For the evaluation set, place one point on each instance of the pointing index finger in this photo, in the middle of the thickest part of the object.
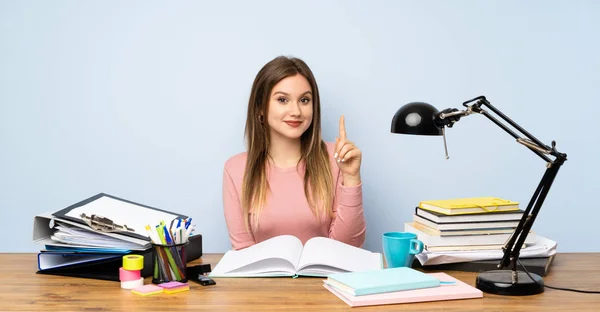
(342, 128)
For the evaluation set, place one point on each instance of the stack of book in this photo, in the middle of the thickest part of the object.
(481, 223)
(396, 285)
(468, 234)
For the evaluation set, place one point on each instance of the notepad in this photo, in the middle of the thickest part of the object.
(147, 290)
(381, 281)
(458, 290)
(174, 287)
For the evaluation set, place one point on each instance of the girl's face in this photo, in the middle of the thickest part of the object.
(290, 109)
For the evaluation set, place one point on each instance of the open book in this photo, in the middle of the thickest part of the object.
(286, 256)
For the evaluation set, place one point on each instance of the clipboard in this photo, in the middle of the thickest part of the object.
(104, 212)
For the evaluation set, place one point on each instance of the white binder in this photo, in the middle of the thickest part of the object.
(117, 211)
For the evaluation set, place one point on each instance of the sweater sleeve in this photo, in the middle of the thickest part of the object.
(240, 238)
(349, 224)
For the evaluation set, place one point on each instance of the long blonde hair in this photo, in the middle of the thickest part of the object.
(318, 180)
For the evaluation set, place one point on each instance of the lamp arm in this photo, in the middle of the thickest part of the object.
(539, 149)
(513, 246)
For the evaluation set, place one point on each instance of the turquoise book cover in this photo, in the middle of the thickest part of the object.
(381, 281)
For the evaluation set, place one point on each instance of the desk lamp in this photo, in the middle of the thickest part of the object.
(423, 119)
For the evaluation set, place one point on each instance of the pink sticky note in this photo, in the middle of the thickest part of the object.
(171, 285)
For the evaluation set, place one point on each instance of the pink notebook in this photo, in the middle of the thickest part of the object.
(459, 290)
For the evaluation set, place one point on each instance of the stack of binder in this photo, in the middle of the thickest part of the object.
(89, 238)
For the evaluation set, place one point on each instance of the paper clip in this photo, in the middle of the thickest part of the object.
(103, 224)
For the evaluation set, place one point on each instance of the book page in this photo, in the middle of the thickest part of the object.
(278, 254)
(79, 237)
(325, 254)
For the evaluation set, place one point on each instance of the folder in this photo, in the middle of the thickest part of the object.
(122, 212)
(44, 226)
(60, 259)
(106, 266)
(118, 212)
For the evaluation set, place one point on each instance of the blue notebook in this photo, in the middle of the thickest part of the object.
(381, 281)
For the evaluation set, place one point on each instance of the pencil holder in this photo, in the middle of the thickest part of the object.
(169, 263)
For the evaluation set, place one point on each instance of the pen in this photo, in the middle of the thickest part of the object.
(187, 223)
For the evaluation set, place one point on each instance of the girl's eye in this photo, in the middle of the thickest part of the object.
(282, 100)
(305, 100)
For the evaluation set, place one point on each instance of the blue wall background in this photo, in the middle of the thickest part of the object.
(146, 100)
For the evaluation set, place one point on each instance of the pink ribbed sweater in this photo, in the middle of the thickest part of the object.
(287, 210)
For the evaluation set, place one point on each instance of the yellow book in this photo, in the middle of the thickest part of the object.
(458, 206)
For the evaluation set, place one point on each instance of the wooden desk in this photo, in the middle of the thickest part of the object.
(23, 290)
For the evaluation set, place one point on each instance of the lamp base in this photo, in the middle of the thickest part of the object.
(499, 282)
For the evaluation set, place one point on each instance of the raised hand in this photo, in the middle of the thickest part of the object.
(348, 157)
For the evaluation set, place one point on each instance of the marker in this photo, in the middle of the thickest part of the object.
(167, 235)
(188, 231)
(161, 234)
(153, 239)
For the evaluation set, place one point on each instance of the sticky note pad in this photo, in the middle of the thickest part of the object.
(176, 290)
(147, 290)
(171, 285)
(174, 287)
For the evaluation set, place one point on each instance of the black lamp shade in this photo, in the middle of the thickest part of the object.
(416, 118)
